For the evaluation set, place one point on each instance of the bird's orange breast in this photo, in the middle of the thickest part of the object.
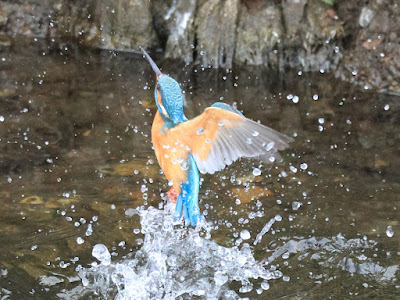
(170, 151)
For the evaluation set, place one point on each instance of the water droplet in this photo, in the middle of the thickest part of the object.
(303, 166)
(249, 141)
(184, 166)
(293, 169)
(286, 278)
(171, 260)
(220, 123)
(80, 240)
(256, 172)
(278, 217)
(101, 252)
(245, 234)
(386, 107)
(321, 120)
(247, 287)
(89, 230)
(315, 97)
(254, 133)
(271, 159)
(200, 131)
(1, 119)
(270, 146)
(295, 99)
(296, 205)
(34, 247)
(265, 285)
(220, 278)
(208, 141)
(389, 231)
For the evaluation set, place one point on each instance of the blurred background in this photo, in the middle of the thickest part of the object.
(357, 40)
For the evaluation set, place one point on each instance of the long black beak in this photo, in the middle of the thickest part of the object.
(151, 61)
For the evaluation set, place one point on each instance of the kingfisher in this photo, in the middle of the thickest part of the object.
(205, 144)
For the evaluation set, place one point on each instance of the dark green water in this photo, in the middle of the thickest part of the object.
(76, 150)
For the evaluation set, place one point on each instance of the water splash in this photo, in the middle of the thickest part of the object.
(338, 252)
(175, 262)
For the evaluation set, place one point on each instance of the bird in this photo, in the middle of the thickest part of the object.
(205, 144)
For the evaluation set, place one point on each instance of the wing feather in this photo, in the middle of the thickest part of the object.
(225, 136)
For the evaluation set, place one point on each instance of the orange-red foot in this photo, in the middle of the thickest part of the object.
(172, 195)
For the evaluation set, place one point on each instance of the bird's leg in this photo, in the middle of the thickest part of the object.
(172, 195)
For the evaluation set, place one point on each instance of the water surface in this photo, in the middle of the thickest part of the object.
(76, 155)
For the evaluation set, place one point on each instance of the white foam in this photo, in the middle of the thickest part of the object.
(176, 261)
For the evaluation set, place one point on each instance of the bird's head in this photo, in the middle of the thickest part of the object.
(168, 95)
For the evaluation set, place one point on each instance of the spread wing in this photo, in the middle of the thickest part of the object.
(221, 135)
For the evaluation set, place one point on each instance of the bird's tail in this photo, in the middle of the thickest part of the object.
(187, 202)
